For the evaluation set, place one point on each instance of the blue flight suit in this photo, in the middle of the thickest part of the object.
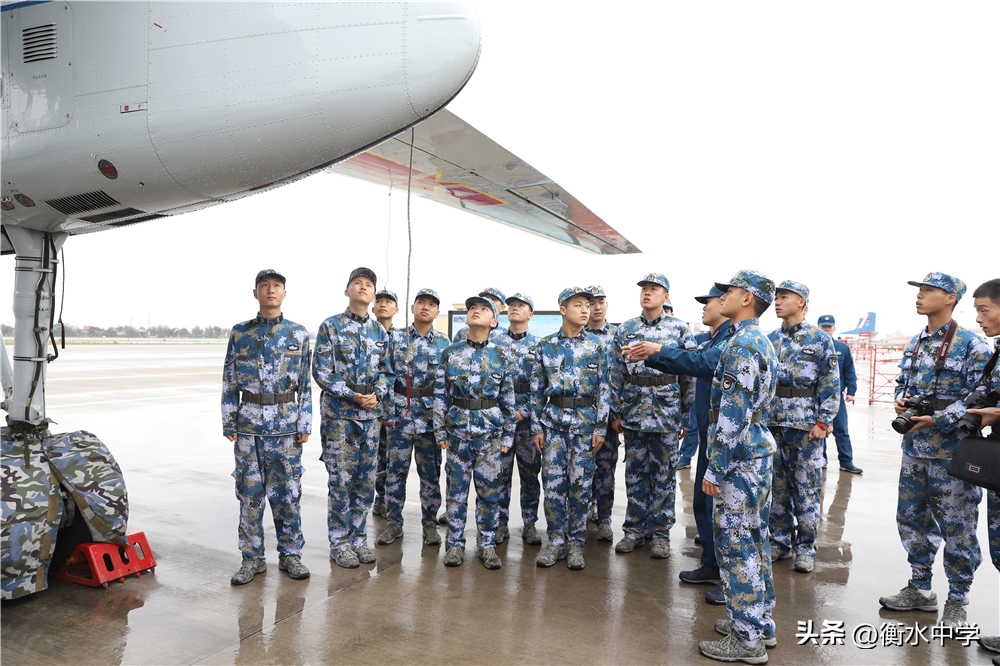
(529, 460)
(607, 458)
(740, 452)
(689, 445)
(266, 403)
(848, 382)
(702, 364)
(932, 504)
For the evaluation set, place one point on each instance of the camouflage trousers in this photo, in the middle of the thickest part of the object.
(934, 505)
(350, 449)
(477, 460)
(529, 466)
(568, 466)
(402, 448)
(650, 483)
(606, 461)
(798, 479)
(993, 521)
(268, 469)
(739, 522)
(383, 463)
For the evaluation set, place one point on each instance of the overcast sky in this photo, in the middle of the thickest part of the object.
(851, 146)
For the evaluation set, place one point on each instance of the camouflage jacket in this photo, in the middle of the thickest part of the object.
(474, 371)
(498, 334)
(522, 351)
(351, 349)
(807, 360)
(267, 356)
(571, 368)
(650, 408)
(606, 333)
(427, 350)
(963, 368)
(991, 382)
(742, 389)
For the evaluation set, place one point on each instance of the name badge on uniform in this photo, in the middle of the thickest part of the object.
(728, 382)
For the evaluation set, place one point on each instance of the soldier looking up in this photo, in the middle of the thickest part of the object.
(385, 309)
(606, 458)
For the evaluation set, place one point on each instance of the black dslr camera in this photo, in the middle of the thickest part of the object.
(977, 400)
(917, 405)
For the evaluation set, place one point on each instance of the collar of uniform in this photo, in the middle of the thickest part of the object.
(360, 320)
(721, 330)
(652, 322)
(414, 333)
(743, 324)
(264, 321)
(477, 345)
(562, 334)
(936, 334)
(596, 331)
(791, 330)
(517, 336)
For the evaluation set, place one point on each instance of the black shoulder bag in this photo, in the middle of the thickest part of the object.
(977, 459)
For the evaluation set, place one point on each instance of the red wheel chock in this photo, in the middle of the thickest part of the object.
(95, 564)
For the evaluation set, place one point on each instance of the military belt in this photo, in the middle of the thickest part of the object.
(651, 380)
(267, 398)
(522, 387)
(363, 389)
(426, 392)
(713, 416)
(568, 403)
(473, 404)
(795, 393)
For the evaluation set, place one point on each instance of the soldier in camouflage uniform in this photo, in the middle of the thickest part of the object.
(416, 356)
(569, 387)
(606, 457)
(806, 402)
(351, 365)
(740, 452)
(385, 309)
(654, 409)
(498, 333)
(932, 504)
(267, 412)
(529, 461)
(474, 420)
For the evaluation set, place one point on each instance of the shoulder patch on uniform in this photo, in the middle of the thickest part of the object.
(833, 361)
(496, 375)
(293, 347)
(728, 382)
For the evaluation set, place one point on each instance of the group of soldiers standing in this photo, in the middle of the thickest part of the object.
(560, 406)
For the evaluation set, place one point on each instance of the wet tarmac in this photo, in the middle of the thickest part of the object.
(157, 408)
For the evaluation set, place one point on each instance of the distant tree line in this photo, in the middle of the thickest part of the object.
(160, 331)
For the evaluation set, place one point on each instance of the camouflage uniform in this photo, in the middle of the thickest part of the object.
(529, 461)
(351, 357)
(383, 435)
(266, 403)
(414, 419)
(932, 504)
(807, 366)
(740, 451)
(566, 368)
(988, 384)
(474, 371)
(652, 417)
(607, 458)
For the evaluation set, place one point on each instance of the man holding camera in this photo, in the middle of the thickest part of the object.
(940, 366)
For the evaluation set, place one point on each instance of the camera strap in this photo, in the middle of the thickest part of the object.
(942, 355)
(988, 371)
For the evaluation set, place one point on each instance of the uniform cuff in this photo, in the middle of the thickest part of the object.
(712, 477)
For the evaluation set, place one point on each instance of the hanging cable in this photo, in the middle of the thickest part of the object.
(388, 228)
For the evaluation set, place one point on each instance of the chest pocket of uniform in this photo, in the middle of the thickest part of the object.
(588, 379)
(491, 385)
(288, 360)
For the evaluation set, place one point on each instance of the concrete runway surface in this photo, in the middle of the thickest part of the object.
(157, 408)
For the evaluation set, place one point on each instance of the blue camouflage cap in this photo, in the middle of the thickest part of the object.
(524, 298)
(472, 300)
(753, 282)
(494, 292)
(597, 291)
(570, 292)
(429, 293)
(826, 320)
(386, 292)
(795, 287)
(942, 281)
(268, 272)
(362, 272)
(714, 292)
(668, 304)
(655, 278)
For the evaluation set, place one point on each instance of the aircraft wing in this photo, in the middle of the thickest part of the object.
(457, 165)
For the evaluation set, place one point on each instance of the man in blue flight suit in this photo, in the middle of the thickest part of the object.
(385, 308)
(607, 456)
(570, 395)
(805, 404)
(529, 462)
(942, 363)
(267, 413)
(474, 420)
(416, 355)
(848, 388)
(740, 453)
(351, 365)
(700, 363)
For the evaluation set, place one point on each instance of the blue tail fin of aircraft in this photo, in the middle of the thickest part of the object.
(865, 325)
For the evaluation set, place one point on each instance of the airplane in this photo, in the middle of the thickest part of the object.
(120, 113)
(866, 326)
